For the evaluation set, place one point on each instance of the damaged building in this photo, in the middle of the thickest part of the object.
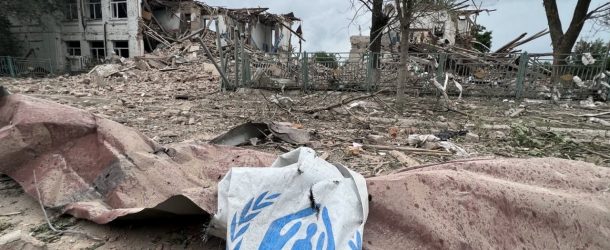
(91, 31)
(443, 28)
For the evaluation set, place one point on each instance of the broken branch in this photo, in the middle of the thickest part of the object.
(341, 103)
(605, 156)
(209, 54)
(49, 221)
(10, 214)
(418, 151)
(591, 115)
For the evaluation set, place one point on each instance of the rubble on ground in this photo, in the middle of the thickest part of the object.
(127, 179)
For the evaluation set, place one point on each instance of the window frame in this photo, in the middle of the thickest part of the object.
(71, 13)
(120, 51)
(92, 6)
(72, 50)
(95, 51)
(115, 5)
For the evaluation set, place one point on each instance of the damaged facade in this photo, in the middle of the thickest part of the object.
(264, 31)
(443, 28)
(90, 31)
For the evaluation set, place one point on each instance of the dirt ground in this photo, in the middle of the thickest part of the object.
(175, 106)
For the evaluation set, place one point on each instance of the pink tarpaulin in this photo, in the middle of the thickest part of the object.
(97, 169)
(492, 204)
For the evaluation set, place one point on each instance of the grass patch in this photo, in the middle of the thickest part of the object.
(45, 234)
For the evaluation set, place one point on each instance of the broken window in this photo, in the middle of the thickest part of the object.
(121, 48)
(73, 48)
(119, 8)
(439, 29)
(97, 50)
(95, 9)
(71, 10)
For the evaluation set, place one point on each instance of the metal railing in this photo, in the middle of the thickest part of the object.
(518, 75)
(16, 66)
(81, 64)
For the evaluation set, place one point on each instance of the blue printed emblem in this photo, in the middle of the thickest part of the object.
(240, 225)
(277, 236)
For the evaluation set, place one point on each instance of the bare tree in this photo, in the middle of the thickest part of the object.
(380, 21)
(408, 13)
(403, 15)
(405, 11)
(563, 42)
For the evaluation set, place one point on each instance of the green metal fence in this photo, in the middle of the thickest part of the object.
(517, 75)
(570, 79)
(16, 66)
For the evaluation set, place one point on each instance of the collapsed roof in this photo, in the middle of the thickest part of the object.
(248, 14)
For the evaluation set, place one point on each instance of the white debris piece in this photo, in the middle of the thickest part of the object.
(451, 147)
(600, 121)
(106, 70)
(589, 103)
(587, 59)
(578, 82)
(418, 140)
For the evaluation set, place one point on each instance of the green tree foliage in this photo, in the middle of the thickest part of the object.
(23, 10)
(8, 44)
(326, 59)
(483, 38)
(597, 48)
(31, 9)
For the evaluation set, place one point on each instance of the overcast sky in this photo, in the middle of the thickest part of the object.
(327, 25)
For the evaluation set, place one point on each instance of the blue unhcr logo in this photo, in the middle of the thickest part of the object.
(315, 238)
(274, 240)
(240, 226)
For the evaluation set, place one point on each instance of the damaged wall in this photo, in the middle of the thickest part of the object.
(440, 28)
(265, 31)
(37, 38)
(69, 40)
(261, 36)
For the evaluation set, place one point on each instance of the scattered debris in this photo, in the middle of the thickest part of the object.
(404, 159)
(20, 240)
(587, 59)
(332, 136)
(420, 140)
(451, 147)
(242, 134)
(355, 149)
(446, 135)
(600, 121)
(416, 151)
(517, 112)
(10, 214)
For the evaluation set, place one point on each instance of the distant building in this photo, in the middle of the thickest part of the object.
(442, 28)
(92, 30)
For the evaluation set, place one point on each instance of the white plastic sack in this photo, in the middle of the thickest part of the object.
(301, 202)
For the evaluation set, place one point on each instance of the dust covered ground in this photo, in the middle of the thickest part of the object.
(184, 105)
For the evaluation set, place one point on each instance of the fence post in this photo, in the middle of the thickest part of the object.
(369, 70)
(223, 83)
(245, 69)
(440, 70)
(305, 68)
(523, 63)
(236, 48)
(608, 98)
(11, 66)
